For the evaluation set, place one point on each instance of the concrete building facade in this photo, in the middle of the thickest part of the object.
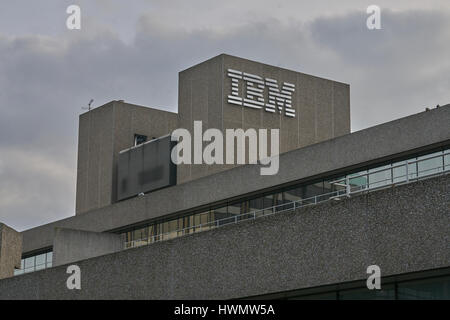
(103, 133)
(322, 106)
(10, 251)
(340, 202)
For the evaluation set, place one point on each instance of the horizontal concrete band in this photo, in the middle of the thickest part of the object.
(402, 229)
(382, 142)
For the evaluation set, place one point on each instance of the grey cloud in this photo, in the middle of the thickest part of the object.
(395, 71)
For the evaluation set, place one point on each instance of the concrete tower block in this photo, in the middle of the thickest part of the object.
(10, 251)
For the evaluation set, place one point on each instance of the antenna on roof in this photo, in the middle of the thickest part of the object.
(89, 105)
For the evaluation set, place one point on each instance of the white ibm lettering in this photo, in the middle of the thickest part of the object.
(277, 100)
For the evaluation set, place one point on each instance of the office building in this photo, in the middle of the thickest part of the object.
(145, 228)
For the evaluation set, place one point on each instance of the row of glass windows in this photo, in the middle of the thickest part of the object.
(400, 171)
(425, 289)
(35, 263)
(283, 198)
(206, 219)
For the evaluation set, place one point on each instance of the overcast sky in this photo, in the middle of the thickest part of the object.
(133, 50)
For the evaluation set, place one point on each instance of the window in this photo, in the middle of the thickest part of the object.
(293, 194)
(29, 264)
(140, 236)
(256, 204)
(319, 296)
(312, 190)
(303, 193)
(447, 160)
(205, 220)
(221, 214)
(399, 171)
(423, 288)
(139, 139)
(358, 181)
(35, 263)
(437, 288)
(40, 261)
(387, 292)
(430, 164)
(235, 208)
(379, 177)
(49, 259)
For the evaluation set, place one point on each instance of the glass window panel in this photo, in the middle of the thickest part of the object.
(386, 292)
(399, 171)
(294, 194)
(49, 264)
(180, 223)
(277, 199)
(358, 181)
(129, 236)
(154, 231)
(164, 227)
(327, 187)
(312, 190)
(40, 267)
(40, 259)
(256, 204)
(29, 262)
(223, 215)
(164, 230)
(412, 169)
(428, 289)
(319, 296)
(337, 184)
(197, 220)
(245, 206)
(172, 226)
(185, 224)
(28, 270)
(234, 208)
(191, 221)
(220, 213)
(49, 256)
(430, 164)
(286, 204)
(211, 216)
(205, 219)
(158, 228)
(18, 271)
(151, 231)
(380, 176)
(268, 201)
(140, 236)
(447, 159)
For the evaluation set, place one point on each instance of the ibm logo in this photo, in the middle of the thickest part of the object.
(278, 99)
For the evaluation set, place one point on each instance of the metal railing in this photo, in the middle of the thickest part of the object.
(347, 190)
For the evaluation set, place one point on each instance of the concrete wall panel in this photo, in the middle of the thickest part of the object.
(72, 245)
(10, 251)
(402, 229)
(207, 101)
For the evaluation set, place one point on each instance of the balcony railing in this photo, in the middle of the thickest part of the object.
(345, 190)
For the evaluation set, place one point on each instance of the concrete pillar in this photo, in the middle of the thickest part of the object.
(10, 251)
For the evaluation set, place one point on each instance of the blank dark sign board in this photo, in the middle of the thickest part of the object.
(146, 167)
